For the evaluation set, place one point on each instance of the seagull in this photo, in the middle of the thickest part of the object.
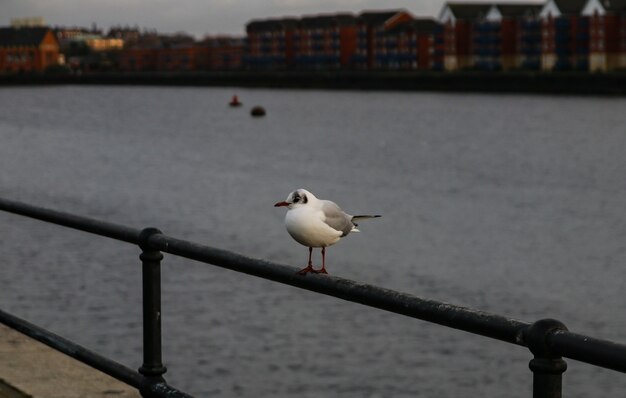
(314, 222)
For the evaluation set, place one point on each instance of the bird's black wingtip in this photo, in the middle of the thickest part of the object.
(365, 217)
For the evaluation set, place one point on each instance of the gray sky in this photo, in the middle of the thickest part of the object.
(198, 17)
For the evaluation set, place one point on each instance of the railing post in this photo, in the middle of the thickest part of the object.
(151, 279)
(546, 366)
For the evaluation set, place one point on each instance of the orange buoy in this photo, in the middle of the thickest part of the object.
(235, 101)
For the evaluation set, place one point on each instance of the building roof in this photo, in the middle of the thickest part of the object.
(421, 25)
(601, 7)
(570, 6)
(274, 24)
(13, 37)
(518, 10)
(557, 8)
(476, 11)
(222, 41)
(613, 5)
(377, 17)
(323, 21)
(345, 19)
(467, 10)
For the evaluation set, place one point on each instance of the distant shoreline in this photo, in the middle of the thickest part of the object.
(564, 83)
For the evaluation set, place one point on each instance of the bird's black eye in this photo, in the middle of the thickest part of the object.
(296, 198)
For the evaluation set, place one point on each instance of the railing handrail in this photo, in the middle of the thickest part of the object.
(86, 356)
(545, 338)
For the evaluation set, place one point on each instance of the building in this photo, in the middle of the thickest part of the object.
(565, 35)
(607, 34)
(508, 37)
(491, 36)
(154, 52)
(488, 40)
(86, 49)
(325, 42)
(28, 49)
(181, 58)
(94, 42)
(71, 35)
(183, 54)
(371, 27)
(529, 39)
(99, 43)
(129, 36)
(458, 21)
(138, 59)
(269, 43)
(412, 45)
(223, 52)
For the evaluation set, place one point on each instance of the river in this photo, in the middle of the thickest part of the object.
(512, 204)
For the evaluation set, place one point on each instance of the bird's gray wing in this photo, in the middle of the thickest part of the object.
(336, 218)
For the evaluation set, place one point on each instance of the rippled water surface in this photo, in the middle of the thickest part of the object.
(509, 204)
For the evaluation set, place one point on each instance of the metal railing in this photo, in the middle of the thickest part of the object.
(548, 339)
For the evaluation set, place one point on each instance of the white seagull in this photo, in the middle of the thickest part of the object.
(315, 222)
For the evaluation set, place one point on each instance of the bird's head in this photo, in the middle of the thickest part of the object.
(297, 198)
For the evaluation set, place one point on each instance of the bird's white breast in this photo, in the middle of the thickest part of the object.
(306, 225)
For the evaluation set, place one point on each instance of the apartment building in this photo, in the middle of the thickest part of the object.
(28, 49)
(607, 34)
(565, 35)
(371, 29)
(413, 45)
(325, 41)
(270, 43)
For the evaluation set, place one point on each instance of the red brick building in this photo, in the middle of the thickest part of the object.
(565, 35)
(182, 58)
(520, 33)
(270, 43)
(181, 53)
(458, 21)
(223, 52)
(343, 41)
(491, 36)
(325, 42)
(507, 37)
(28, 49)
(607, 34)
(412, 45)
(138, 59)
(371, 27)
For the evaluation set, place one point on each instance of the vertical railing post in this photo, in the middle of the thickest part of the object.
(547, 367)
(152, 366)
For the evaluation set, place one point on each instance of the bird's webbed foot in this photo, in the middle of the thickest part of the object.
(307, 269)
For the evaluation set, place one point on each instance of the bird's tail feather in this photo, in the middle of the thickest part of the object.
(361, 217)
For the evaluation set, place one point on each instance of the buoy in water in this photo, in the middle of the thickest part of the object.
(235, 101)
(257, 111)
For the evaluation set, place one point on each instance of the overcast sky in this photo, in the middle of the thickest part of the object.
(198, 17)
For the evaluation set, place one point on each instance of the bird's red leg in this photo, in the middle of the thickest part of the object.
(323, 269)
(309, 268)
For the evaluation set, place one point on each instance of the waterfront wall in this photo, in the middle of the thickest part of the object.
(503, 82)
(30, 369)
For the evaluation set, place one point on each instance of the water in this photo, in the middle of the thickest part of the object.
(509, 204)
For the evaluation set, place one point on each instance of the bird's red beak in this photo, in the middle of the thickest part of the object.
(279, 204)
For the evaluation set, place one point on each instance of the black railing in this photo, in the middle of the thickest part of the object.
(548, 339)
